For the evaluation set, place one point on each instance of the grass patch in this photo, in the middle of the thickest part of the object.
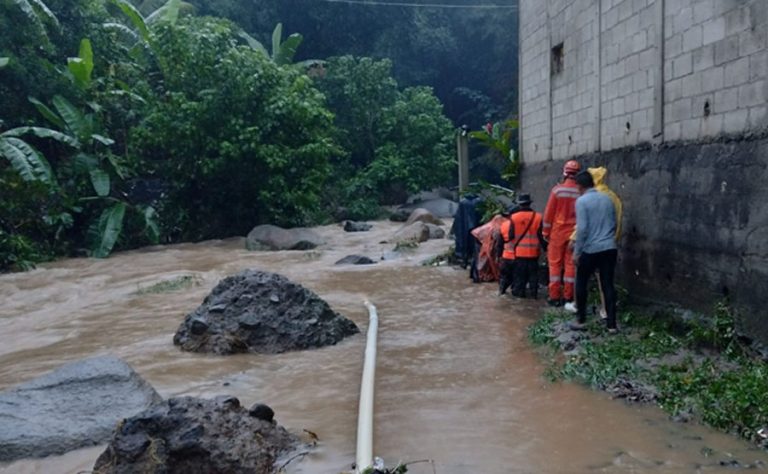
(167, 286)
(696, 369)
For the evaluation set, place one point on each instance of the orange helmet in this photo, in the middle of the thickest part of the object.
(571, 168)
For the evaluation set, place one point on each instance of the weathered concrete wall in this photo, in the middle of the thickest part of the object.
(695, 220)
(534, 73)
(639, 71)
(670, 95)
(716, 53)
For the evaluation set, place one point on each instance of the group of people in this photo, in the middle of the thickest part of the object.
(579, 231)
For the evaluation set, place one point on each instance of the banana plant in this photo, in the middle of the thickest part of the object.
(283, 52)
(94, 158)
(498, 137)
(39, 14)
(27, 161)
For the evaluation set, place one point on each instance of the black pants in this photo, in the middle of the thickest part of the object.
(506, 275)
(605, 264)
(526, 273)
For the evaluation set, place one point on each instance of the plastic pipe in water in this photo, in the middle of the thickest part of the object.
(365, 415)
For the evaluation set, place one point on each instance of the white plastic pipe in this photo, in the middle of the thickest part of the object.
(365, 414)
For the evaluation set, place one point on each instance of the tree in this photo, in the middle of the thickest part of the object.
(395, 142)
(239, 140)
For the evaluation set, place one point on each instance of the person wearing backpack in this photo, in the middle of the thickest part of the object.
(528, 241)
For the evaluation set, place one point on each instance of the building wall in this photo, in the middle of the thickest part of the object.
(640, 71)
(672, 97)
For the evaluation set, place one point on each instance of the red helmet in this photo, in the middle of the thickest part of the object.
(571, 168)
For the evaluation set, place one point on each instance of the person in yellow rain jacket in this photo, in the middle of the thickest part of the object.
(598, 176)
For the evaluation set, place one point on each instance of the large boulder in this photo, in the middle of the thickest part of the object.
(271, 237)
(263, 312)
(75, 406)
(412, 233)
(439, 207)
(189, 435)
(422, 215)
(436, 232)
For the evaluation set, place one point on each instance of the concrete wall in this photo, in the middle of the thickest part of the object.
(640, 71)
(671, 96)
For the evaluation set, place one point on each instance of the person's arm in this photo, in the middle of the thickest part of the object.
(582, 224)
(539, 232)
(549, 214)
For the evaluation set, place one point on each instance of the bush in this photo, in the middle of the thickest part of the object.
(239, 140)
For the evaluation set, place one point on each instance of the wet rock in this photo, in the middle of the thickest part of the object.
(263, 312)
(438, 193)
(270, 237)
(355, 260)
(439, 207)
(412, 233)
(352, 226)
(262, 412)
(400, 215)
(435, 232)
(423, 215)
(75, 406)
(195, 436)
(633, 390)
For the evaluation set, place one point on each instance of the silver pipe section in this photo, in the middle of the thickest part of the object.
(364, 458)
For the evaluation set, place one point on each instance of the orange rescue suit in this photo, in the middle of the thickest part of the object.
(509, 244)
(559, 223)
(528, 246)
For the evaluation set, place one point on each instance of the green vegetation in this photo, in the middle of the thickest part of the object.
(129, 123)
(692, 369)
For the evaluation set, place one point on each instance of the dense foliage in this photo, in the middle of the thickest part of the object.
(396, 142)
(130, 123)
(467, 55)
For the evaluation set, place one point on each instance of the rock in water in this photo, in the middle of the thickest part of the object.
(270, 237)
(355, 260)
(352, 226)
(189, 435)
(412, 233)
(264, 312)
(75, 406)
(423, 215)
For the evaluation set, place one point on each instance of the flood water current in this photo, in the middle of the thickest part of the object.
(457, 381)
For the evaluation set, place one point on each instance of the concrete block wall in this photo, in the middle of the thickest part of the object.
(640, 71)
(629, 58)
(534, 78)
(575, 26)
(715, 68)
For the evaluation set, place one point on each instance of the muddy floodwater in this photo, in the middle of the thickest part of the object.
(457, 381)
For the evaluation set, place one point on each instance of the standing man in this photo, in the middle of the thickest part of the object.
(559, 222)
(594, 248)
(507, 252)
(528, 240)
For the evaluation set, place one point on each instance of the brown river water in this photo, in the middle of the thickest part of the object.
(457, 381)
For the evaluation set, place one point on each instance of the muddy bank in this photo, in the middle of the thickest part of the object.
(695, 370)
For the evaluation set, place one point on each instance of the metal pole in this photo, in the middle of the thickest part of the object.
(462, 150)
(365, 414)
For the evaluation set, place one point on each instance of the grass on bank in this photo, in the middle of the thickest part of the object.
(696, 369)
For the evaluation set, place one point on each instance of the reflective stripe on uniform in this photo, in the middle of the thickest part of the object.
(569, 280)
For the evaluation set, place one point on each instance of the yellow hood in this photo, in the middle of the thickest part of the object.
(598, 175)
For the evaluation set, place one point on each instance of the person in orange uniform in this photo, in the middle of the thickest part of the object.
(507, 260)
(527, 243)
(559, 223)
